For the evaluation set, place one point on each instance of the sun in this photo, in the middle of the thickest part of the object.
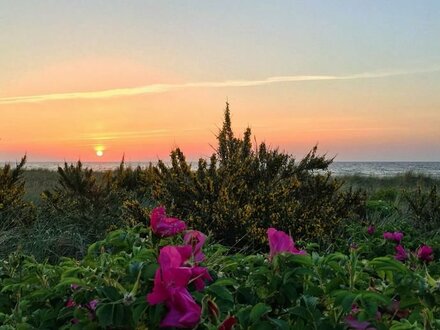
(99, 150)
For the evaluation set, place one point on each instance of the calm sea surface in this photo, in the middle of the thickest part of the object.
(338, 168)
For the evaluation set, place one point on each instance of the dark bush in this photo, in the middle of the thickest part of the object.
(80, 210)
(242, 191)
(14, 211)
(424, 208)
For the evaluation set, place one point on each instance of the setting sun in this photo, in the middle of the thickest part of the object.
(99, 150)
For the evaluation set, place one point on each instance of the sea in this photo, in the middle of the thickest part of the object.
(381, 169)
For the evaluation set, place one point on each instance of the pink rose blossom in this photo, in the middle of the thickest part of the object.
(401, 254)
(196, 239)
(183, 311)
(425, 253)
(170, 287)
(396, 236)
(353, 323)
(92, 304)
(70, 303)
(280, 242)
(371, 230)
(164, 226)
(199, 275)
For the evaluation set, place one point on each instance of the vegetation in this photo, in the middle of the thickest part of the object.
(112, 287)
(86, 250)
(243, 191)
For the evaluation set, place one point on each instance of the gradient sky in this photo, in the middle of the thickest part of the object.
(361, 78)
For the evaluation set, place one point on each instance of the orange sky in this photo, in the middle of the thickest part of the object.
(140, 80)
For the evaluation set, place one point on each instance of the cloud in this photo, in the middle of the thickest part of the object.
(163, 88)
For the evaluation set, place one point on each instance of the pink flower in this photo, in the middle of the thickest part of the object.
(174, 256)
(353, 323)
(183, 311)
(92, 304)
(74, 287)
(199, 275)
(164, 226)
(371, 230)
(401, 254)
(280, 242)
(70, 303)
(196, 239)
(228, 323)
(396, 236)
(170, 287)
(425, 253)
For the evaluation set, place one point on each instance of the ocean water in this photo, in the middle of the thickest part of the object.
(337, 168)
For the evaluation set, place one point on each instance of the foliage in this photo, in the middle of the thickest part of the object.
(108, 287)
(80, 206)
(14, 211)
(424, 209)
(242, 192)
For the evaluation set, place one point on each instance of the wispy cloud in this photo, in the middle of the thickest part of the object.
(163, 88)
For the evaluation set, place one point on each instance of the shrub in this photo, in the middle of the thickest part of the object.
(242, 191)
(16, 215)
(424, 209)
(80, 210)
(14, 211)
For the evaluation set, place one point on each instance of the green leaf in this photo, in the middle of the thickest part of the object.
(258, 311)
(280, 324)
(109, 292)
(243, 316)
(104, 312)
(221, 292)
(300, 259)
(225, 282)
(388, 264)
(265, 325)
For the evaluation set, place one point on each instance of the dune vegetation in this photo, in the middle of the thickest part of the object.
(250, 238)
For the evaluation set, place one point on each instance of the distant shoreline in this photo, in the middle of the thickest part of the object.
(338, 168)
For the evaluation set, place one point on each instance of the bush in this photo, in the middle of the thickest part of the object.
(242, 191)
(80, 210)
(14, 211)
(16, 215)
(424, 209)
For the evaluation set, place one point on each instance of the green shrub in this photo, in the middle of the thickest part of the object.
(80, 210)
(242, 191)
(424, 209)
(14, 211)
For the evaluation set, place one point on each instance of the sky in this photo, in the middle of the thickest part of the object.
(96, 80)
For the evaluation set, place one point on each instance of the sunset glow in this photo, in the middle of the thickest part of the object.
(128, 82)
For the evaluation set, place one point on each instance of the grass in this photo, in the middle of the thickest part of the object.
(37, 181)
(405, 181)
(385, 188)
